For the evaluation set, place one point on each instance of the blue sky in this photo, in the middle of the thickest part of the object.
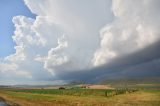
(9, 9)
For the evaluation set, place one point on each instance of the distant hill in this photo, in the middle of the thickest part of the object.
(145, 80)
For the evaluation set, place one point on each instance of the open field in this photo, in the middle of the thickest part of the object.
(81, 97)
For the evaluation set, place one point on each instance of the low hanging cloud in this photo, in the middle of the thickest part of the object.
(78, 36)
(141, 64)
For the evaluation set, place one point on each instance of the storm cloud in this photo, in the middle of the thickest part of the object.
(141, 64)
(85, 40)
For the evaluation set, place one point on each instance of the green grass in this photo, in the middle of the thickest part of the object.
(82, 97)
(152, 91)
(76, 92)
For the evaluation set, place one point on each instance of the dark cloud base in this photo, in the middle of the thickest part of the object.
(141, 64)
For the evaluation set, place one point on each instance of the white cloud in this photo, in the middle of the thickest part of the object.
(57, 18)
(8, 70)
(63, 37)
(57, 56)
(24, 34)
(18, 56)
(135, 27)
(65, 34)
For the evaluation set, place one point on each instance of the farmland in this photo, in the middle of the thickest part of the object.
(82, 97)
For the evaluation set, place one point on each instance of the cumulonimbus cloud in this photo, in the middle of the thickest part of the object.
(135, 27)
(65, 36)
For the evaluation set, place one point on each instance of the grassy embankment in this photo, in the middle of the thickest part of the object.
(81, 97)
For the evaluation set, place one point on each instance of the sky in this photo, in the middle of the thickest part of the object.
(9, 9)
(58, 41)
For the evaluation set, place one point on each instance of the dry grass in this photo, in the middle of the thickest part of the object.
(140, 98)
(100, 87)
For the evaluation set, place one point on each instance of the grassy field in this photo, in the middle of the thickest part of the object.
(81, 97)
